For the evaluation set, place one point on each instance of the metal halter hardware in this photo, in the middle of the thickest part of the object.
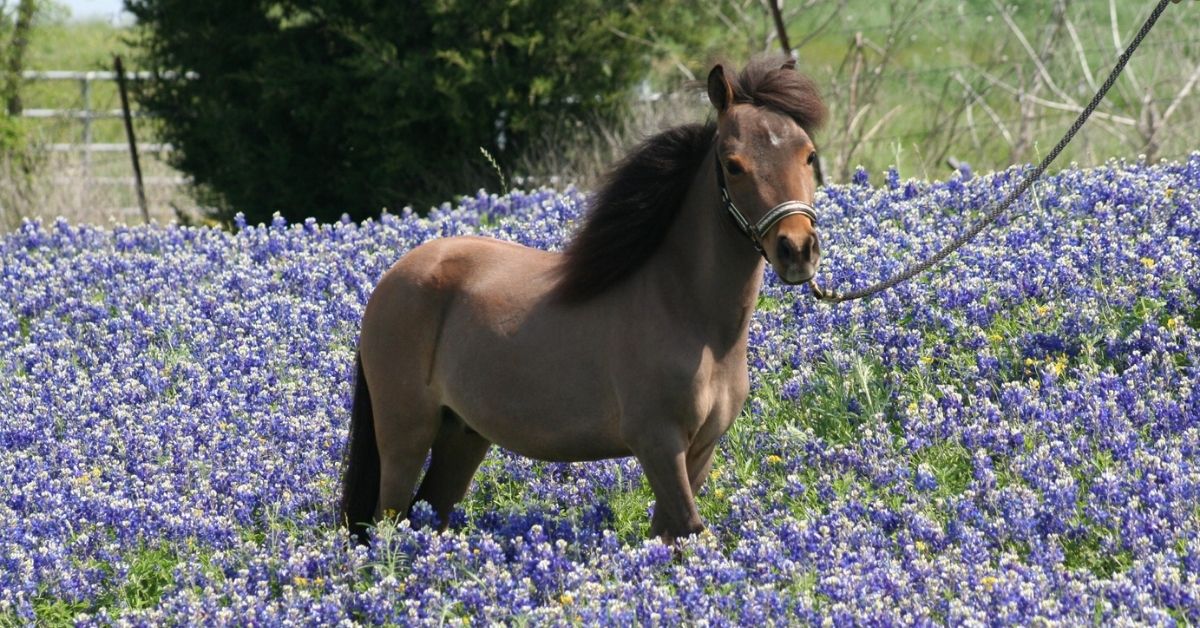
(756, 231)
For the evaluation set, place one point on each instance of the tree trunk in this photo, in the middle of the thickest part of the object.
(16, 56)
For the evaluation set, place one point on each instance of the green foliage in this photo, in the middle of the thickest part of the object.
(16, 20)
(630, 508)
(10, 134)
(319, 107)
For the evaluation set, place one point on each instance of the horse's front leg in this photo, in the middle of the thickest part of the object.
(700, 461)
(664, 460)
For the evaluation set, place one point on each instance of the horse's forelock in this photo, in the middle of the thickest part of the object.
(768, 82)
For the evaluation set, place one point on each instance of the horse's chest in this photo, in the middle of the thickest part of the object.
(720, 401)
(729, 396)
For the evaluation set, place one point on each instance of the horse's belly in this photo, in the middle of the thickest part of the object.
(522, 371)
(536, 406)
(542, 430)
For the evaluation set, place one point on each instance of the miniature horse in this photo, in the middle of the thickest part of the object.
(631, 342)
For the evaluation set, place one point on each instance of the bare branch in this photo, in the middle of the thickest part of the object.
(654, 45)
(631, 37)
(779, 26)
(1083, 62)
(1183, 93)
(1116, 37)
(1073, 107)
(1116, 31)
(820, 28)
(879, 124)
(1033, 55)
(1157, 124)
(978, 98)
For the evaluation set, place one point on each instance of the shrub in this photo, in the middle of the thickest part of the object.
(319, 107)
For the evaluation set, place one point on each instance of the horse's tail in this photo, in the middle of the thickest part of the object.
(360, 478)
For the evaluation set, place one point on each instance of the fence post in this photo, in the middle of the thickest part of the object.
(133, 151)
(85, 93)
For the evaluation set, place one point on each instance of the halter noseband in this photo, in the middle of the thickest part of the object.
(756, 231)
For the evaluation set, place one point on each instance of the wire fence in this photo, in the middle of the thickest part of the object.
(75, 123)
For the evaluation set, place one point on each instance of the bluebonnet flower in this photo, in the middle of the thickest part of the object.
(1014, 437)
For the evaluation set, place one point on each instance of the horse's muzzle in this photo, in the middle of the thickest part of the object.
(796, 257)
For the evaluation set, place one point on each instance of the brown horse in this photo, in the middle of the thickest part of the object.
(632, 342)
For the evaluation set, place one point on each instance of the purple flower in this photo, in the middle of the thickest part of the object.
(1013, 436)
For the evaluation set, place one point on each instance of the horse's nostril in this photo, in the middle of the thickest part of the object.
(786, 251)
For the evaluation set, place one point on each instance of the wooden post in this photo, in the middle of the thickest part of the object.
(133, 151)
(85, 97)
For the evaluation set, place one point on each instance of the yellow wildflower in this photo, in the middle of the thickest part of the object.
(566, 599)
(988, 582)
(773, 459)
(1058, 365)
(1148, 263)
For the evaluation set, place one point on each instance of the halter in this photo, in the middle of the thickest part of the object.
(756, 231)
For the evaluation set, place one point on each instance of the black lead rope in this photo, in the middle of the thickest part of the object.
(829, 296)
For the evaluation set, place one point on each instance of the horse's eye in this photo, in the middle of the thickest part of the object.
(734, 167)
(812, 157)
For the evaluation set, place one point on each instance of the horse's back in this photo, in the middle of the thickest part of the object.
(454, 268)
(450, 264)
(414, 297)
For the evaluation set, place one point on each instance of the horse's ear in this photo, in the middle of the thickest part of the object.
(790, 64)
(720, 92)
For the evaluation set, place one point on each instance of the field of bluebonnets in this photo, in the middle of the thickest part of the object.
(1015, 437)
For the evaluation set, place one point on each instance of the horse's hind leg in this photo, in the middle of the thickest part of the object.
(457, 452)
(407, 420)
(398, 345)
(402, 453)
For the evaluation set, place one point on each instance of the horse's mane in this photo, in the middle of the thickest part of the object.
(638, 199)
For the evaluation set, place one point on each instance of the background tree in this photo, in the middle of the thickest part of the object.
(319, 107)
(16, 20)
(17, 162)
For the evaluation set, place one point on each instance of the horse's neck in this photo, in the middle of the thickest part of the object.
(712, 271)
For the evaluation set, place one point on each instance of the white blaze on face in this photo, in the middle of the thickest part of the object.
(776, 140)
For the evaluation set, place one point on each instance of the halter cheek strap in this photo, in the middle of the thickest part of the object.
(756, 231)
